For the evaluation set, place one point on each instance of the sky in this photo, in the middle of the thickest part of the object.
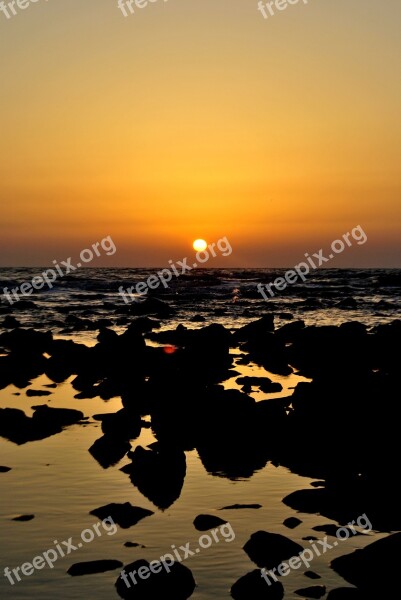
(200, 119)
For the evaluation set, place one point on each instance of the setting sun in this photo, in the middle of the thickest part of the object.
(200, 245)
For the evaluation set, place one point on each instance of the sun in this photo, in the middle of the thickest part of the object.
(199, 245)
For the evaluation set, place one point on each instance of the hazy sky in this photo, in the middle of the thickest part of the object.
(199, 118)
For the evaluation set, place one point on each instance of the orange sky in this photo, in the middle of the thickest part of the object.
(200, 119)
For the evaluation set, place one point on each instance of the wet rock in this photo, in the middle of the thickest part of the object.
(206, 522)
(315, 591)
(24, 518)
(124, 424)
(93, 566)
(33, 393)
(270, 549)
(240, 506)
(375, 569)
(347, 594)
(152, 306)
(158, 472)
(265, 384)
(255, 329)
(253, 586)
(133, 545)
(26, 341)
(287, 333)
(159, 580)
(10, 322)
(312, 575)
(18, 428)
(125, 515)
(344, 498)
(56, 417)
(292, 522)
(66, 358)
(109, 450)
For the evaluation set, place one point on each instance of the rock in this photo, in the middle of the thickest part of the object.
(240, 506)
(312, 575)
(206, 522)
(292, 522)
(375, 569)
(26, 341)
(347, 594)
(123, 425)
(4, 469)
(93, 566)
(10, 322)
(18, 428)
(158, 473)
(255, 329)
(32, 393)
(265, 384)
(270, 549)
(125, 515)
(253, 586)
(315, 591)
(24, 518)
(289, 332)
(133, 545)
(173, 580)
(151, 306)
(109, 450)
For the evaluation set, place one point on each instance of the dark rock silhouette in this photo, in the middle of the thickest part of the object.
(268, 550)
(33, 393)
(109, 450)
(253, 586)
(347, 594)
(4, 469)
(374, 570)
(265, 384)
(206, 522)
(18, 428)
(93, 566)
(158, 472)
(24, 518)
(177, 582)
(125, 515)
(314, 591)
(292, 522)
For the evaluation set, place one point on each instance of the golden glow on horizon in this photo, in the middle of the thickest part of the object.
(200, 118)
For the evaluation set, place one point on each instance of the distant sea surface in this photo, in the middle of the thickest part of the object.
(226, 296)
